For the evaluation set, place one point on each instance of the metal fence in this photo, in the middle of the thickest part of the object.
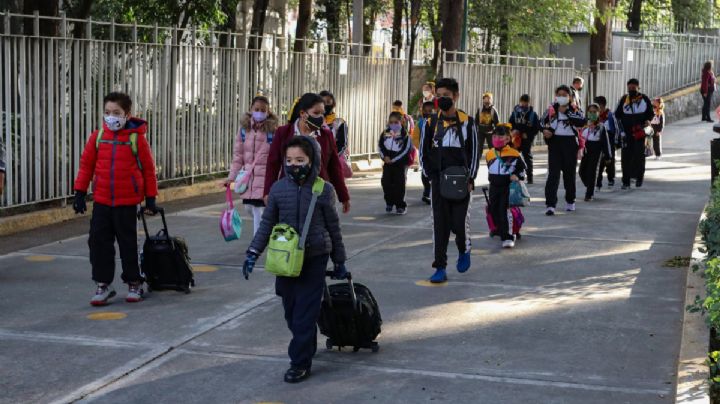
(191, 86)
(507, 77)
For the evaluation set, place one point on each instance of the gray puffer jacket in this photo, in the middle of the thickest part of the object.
(288, 203)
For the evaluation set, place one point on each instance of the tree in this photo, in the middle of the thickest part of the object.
(397, 26)
(413, 25)
(600, 39)
(372, 10)
(430, 17)
(452, 13)
(634, 16)
(257, 28)
(303, 24)
(44, 8)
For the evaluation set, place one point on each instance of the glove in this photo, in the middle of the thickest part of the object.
(250, 260)
(150, 205)
(339, 272)
(79, 205)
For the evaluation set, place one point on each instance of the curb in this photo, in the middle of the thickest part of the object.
(692, 372)
(29, 221)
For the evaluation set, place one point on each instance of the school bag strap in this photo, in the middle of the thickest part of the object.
(133, 143)
(268, 136)
(317, 190)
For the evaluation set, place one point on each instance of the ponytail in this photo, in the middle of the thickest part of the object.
(307, 101)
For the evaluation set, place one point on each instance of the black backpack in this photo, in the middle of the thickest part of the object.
(350, 316)
(164, 260)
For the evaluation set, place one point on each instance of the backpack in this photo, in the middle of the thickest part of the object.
(133, 143)
(268, 136)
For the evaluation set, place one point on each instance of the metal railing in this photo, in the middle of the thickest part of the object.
(191, 86)
(507, 77)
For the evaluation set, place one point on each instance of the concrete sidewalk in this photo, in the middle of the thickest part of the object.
(582, 311)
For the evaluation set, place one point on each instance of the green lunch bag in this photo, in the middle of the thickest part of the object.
(286, 251)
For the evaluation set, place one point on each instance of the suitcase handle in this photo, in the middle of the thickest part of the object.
(352, 290)
(162, 215)
(485, 190)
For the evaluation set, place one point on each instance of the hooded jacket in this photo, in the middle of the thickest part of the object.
(504, 163)
(525, 120)
(289, 202)
(396, 147)
(330, 170)
(254, 150)
(446, 143)
(118, 179)
(563, 123)
(631, 114)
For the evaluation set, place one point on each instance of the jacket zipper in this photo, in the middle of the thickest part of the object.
(112, 171)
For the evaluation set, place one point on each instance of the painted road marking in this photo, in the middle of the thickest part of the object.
(106, 315)
(39, 258)
(204, 268)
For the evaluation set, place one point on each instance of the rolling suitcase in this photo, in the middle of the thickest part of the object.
(349, 316)
(515, 218)
(164, 260)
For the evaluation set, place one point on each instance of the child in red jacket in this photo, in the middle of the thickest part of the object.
(118, 161)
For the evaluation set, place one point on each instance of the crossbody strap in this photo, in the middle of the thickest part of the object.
(317, 189)
(458, 133)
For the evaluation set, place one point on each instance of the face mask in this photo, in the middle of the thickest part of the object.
(427, 116)
(523, 107)
(114, 123)
(445, 103)
(259, 116)
(298, 173)
(498, 143)
(562, 101)
(593, 116)
(395, 127)
(315, 122)
(329, 109)
(427, 94)
(632, 93)
(486, 104)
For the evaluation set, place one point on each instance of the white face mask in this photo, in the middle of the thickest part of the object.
(115, 123)
(562, 101)
(427, 94)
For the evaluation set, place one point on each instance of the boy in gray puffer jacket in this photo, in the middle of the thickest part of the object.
(289, 201)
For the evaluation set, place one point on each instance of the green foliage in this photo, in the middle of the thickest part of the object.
(714, 378)
(203, 14)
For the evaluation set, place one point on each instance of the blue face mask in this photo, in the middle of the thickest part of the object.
(395, 127)
(298, 173)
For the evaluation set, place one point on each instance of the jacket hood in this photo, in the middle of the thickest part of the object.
(316, 158)
(133, 125)
(270, 124)
(521, 109)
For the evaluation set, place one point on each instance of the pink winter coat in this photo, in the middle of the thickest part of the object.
(254, 149)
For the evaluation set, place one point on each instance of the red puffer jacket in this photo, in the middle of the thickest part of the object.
(117, 178)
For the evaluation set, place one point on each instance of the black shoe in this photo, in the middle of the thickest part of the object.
(588, 198)
(625, 187)
(611, 183)
(296, 375)
(529, 181)
(638, 184)
(426, 200)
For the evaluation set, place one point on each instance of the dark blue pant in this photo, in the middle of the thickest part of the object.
(301, 298)
(107, 225)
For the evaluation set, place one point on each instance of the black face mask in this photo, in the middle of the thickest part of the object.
(427, 116)
(315, 122)
(632, 93)
(298, 173)
(445, 103)
(329, 109)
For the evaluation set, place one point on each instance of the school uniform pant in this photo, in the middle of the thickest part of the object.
(707, 103)
(657, 144)
(426, 185)
(633, 161)
(393, 182)
(485, 138)
(589, 167)
(526, 150)
(449, 217)
(301, 299)
(499, 205)
(107, 225)
(562, 158)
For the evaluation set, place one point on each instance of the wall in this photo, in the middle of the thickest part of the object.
(686, 103)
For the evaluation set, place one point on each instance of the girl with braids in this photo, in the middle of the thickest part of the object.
(307, 119)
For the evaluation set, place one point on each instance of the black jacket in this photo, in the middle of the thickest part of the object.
(525, 120)
(396, 148)
(441, 146)
(632, 115)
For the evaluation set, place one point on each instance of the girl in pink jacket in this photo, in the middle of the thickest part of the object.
(250, 153)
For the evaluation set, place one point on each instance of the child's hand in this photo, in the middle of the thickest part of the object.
(387, 160)
(224, 183)
(79, 205)
(514, 178)
(346, 207)
(249, 265)
(339, 272)
(547, 134)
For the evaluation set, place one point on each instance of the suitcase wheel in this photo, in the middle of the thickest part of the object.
(356, 348)
(328, 344)
(519, 236)
(375, 347)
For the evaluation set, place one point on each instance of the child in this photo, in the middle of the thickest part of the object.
(658, 124)
(526, 124)
(428, 95)
(252, 146)
(596, 147)
(428, 109)
(407, 120)
(607, 118)
(118, 160)
(486, 118)
(288, 202)
(505, 165)
(394, 148)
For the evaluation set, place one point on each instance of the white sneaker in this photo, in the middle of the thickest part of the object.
(570, 207)
(550, 211)
(103, 294)
(508, 244)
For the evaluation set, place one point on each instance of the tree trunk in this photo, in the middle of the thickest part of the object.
(451, 14)
(332, 19)
(397, 27)
(368, 27)
(81, 12)
(600, 40)
(45, 8)
(258, 23)
(634, 16)
(413, 25)
(303, 24)
(504, 37)
(433, 13)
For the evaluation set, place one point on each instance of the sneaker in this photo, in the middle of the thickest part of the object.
(401, 211)
(570, 207)
(638, 184)
(439, 276)
(103, 294)
(611, 183)
(296, 375)
(657, 157)
(588, 199)
(508, 244)
(426, 200)
(550, 211)
(388, 209)
(624, 187)
(135, 292)
(463, 262)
